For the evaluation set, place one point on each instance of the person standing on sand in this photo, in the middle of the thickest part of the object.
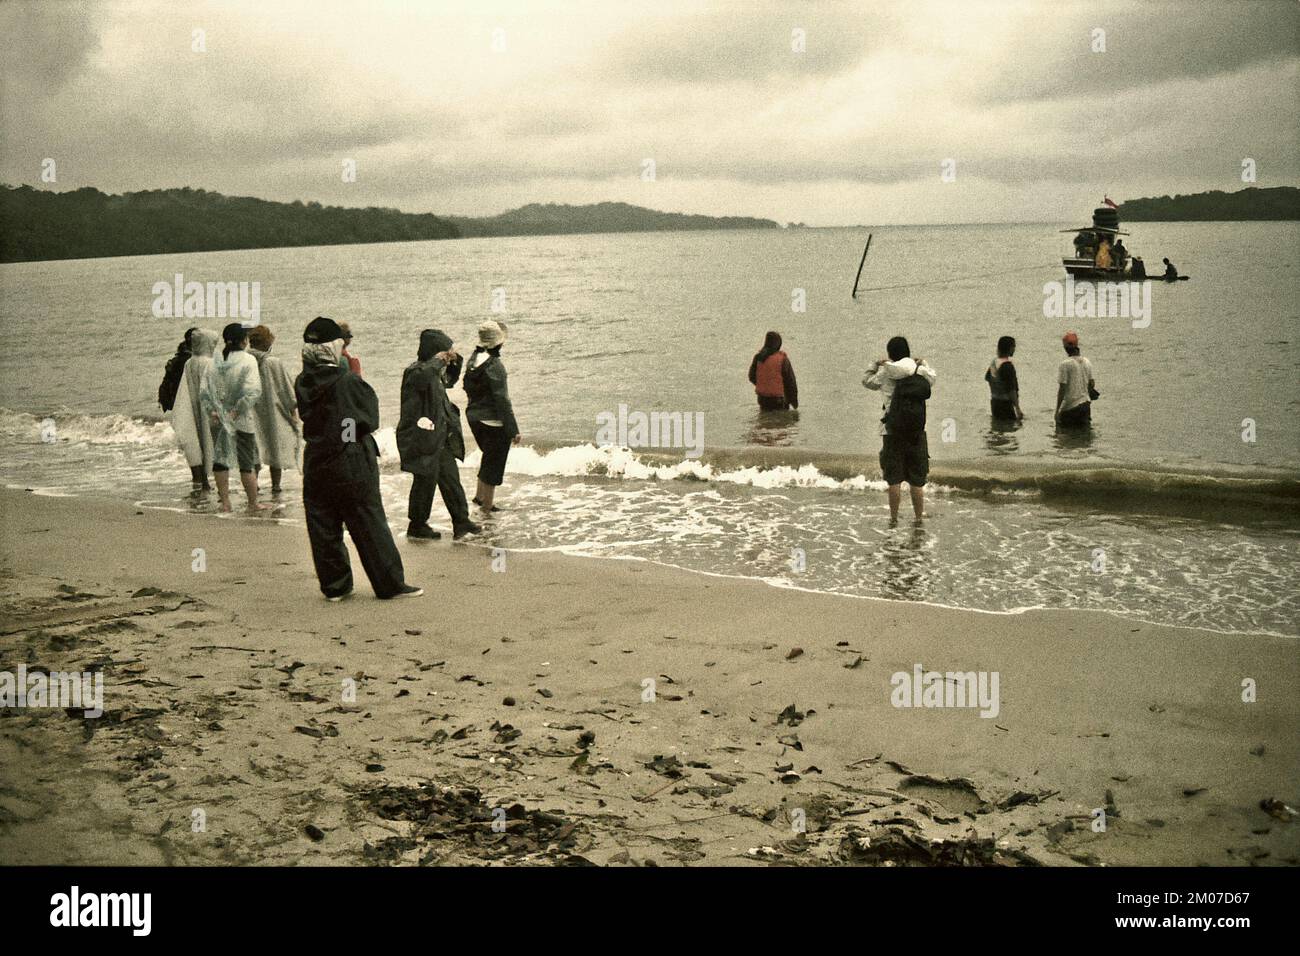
(429, 437)
(171, 382)
(340, 470)
(354, 363)
(1004, 386)
(276, 411)
(490, 414)
(189, 423)
(1076, 388)
(231, 388)
(772, 376)
(904, 386)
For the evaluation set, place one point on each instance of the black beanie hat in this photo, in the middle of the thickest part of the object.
(321, 329)
(432, 341)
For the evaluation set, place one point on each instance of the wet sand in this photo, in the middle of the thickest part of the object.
(521, 692)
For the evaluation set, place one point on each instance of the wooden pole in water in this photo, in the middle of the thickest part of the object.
(858, 277)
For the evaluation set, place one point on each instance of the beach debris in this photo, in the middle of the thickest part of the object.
(957, 794)
(374, 768)
(792, 716)
(1111, 809)
(505, 732)
(586, 739)
(1257, 750)
(1019, 797)
(666, 766)
(793, 653)
(508, 702)
(452, 822)
(1059, 830)
(898, 767)
(790, 740)
(316, 732)
(728, 778)
(1277, 809)
(855, 663)
(544, 692)
(414, 631)
(1190, 791)
(892, 845)
(314, 833)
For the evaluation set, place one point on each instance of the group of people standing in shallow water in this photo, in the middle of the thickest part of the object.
(905, 386)
(240, 410)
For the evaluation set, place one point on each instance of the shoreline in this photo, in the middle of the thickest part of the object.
(223, 693)
(1121, 617)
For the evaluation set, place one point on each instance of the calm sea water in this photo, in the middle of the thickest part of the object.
(669, 322)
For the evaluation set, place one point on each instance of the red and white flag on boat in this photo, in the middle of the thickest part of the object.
(1108, 202)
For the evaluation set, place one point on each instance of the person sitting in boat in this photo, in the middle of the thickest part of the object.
(1170, 272)
(1120, 254)
(1139, 270)
(1103, 254)
(1083, 245)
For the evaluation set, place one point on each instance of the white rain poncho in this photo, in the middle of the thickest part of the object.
(277, 426)
(231, 387)
(189, 422)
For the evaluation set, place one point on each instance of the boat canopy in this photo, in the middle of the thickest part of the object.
(1105, 229)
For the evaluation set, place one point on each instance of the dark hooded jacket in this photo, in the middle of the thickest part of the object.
(424, 395)
(340, 414)
(171, 382)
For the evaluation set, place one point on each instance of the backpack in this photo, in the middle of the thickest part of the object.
(906, 414)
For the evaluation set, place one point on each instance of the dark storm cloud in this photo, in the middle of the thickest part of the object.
(747, 43)
(1145, 44)
(47, 44)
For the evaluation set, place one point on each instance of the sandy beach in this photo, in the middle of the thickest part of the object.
(228, 736)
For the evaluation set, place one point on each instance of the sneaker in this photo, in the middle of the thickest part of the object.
(468, 527)
(335, 598)
(423, 531)
(408, 590)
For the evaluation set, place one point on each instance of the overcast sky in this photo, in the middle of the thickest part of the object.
(854, 129)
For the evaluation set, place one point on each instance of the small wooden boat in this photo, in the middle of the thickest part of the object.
(1088, 242)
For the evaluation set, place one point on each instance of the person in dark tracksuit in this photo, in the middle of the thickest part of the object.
(340, 470)
(429, 437)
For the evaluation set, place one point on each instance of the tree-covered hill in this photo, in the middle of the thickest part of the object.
(85, 223)
(1277, 202)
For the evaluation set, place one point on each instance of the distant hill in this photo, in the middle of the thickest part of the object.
(38, 224)
(83, 223)
(1277, 202)
(537, 219)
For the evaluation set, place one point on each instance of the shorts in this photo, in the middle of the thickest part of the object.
(494, 444)
(245, 454)
(905, 460)
(1080, 416)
